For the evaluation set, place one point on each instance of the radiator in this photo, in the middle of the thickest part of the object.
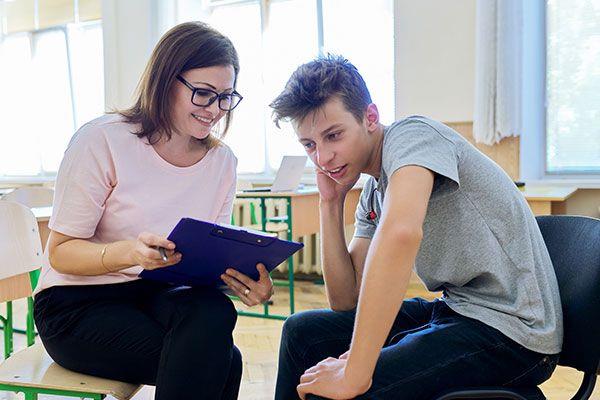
(307, 260)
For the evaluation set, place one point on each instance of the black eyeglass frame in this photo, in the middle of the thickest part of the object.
(216, 96)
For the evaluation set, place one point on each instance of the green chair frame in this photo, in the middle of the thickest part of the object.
(31, 393)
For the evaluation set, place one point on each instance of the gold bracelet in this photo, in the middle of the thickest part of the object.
(102, 254)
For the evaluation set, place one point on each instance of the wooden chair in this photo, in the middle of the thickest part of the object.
(31, 370)
(29, 196)
(20, 259)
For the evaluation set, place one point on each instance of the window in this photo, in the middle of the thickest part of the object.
(244, 135)
(573, 87)
(52, 81)
(274, 37)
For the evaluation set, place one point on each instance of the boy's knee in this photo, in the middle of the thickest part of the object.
(297, 326)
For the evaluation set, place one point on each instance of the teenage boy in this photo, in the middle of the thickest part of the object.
(435, 203)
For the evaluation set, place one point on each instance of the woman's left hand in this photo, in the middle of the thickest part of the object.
(251, 292)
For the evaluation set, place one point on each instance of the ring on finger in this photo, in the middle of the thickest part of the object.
(246, 291)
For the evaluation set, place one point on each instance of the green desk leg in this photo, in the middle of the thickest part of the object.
(253, 220)
(263, 214)
(291, 259)
(6, 327)
(30, 324)
(30, 328)
(290, 281)
(8, 335)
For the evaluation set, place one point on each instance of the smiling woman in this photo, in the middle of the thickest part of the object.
(162, 105)
(126, 179)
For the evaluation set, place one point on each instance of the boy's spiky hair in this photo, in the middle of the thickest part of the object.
(314, 83)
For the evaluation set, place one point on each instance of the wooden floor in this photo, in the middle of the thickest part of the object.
(258, 339)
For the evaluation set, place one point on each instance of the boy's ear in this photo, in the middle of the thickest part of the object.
(372, 115)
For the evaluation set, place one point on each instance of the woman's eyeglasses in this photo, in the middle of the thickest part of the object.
(205, 97)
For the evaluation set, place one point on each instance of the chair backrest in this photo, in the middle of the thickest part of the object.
(31, 196)
(574, 246)
(20, 244)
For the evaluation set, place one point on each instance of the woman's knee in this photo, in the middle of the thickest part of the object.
(210, 308)
(236, 362)
(224, 315)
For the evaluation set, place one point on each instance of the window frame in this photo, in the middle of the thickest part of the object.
(534, 140)
(32, 36)
(565, 174)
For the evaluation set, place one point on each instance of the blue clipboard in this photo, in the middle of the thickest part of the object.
(208, 249)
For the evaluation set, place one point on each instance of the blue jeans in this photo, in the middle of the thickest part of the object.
(430, 349)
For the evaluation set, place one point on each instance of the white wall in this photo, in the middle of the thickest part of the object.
(435, 58)
(131, 29)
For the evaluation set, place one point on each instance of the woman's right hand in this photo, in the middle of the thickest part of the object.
(144, 252)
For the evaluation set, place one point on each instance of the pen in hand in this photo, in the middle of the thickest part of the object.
(163, 253)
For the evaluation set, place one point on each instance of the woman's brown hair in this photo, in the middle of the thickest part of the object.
(186, 46)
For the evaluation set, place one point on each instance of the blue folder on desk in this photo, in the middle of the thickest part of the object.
(208, 249)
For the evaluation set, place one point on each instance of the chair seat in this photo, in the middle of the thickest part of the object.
(495, 393)
(33, 367)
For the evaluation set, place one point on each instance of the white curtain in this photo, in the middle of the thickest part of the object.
(499, 27)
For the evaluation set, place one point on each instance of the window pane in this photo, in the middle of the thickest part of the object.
(291, 40)
(36, 105)
(573, 86)
(19, 152)
(366, 39)
(19, 15)
(90, 10)
(87, 69)
(51, 99)
(241, 23)
(55, 12)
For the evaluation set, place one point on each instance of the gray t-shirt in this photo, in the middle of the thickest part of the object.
(481, 244)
